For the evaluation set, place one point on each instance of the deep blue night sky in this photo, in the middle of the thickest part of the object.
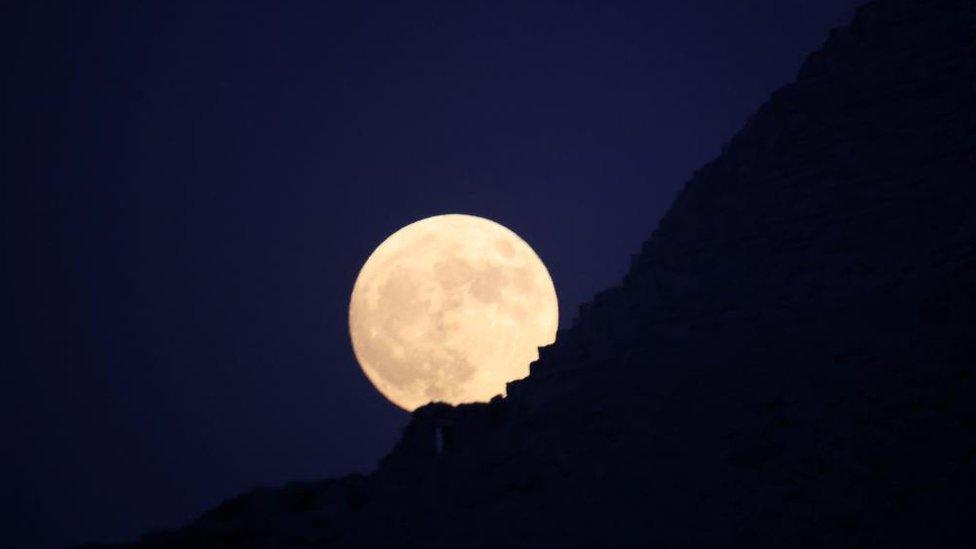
(190, 189)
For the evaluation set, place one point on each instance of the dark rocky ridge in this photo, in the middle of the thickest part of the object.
(789, 361)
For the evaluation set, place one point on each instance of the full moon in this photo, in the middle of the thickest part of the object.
(449, 309)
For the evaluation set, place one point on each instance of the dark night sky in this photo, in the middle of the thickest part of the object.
(190, 189)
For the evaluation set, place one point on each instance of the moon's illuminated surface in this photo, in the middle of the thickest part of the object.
(449, 309)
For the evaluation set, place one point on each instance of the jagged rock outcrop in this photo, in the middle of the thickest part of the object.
(789, 361)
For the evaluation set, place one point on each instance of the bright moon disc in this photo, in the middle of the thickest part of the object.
(449, 309)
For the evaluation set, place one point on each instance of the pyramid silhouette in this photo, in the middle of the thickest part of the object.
(789, 361)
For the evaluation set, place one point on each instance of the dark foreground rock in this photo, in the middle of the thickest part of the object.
(790, 361)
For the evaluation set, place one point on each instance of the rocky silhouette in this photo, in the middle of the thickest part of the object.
(789, 361)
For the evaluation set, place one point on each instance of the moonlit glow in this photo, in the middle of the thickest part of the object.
(449, 309)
